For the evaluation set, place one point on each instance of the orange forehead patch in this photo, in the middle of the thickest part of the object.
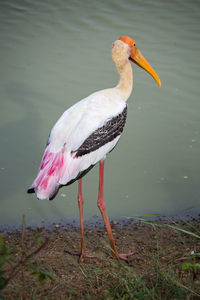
(127, 40)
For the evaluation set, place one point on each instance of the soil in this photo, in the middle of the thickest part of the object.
(43, 249)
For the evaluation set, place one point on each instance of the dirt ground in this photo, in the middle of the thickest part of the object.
(41, 250)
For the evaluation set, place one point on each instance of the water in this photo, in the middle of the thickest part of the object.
(53, 54)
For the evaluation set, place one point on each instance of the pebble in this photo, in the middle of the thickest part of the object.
(63, 195)
(39, 228)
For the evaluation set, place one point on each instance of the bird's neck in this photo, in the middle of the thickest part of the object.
(125, 84)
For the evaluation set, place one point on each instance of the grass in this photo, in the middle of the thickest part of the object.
(165, 266)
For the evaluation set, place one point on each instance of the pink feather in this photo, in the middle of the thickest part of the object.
(46, 183)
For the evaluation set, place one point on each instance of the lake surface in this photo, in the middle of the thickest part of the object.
(54, 53)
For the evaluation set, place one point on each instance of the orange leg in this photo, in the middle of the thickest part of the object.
(80, 205)
(102, 207)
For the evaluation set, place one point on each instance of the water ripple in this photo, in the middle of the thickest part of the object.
(54, 53)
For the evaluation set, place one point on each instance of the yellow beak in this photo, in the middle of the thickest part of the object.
(139, 60)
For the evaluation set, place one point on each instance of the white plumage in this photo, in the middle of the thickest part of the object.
(84, 117)
(68, 134)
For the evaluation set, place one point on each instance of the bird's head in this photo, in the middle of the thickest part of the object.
(136, 56)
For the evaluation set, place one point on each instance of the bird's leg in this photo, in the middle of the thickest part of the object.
(102, 207)
(80, 205)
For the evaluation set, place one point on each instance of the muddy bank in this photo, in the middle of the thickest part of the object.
(151, 245)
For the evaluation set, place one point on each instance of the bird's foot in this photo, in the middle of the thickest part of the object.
(126, 256)
(123, 256)
(82, 255)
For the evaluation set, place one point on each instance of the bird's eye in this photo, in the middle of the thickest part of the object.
(133, 45)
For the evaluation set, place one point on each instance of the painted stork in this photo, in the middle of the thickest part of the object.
(86, 133)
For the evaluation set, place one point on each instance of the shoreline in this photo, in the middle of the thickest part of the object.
(96, 221)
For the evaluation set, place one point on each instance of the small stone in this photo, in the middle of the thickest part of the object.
(39, 228)
(57, 226)
(114, 222)
(63, 195)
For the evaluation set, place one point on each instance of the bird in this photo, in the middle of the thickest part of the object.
(88, 131)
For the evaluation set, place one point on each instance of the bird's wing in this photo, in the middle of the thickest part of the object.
(82, 119)
(94, 148)
(109, 131)
(82, 136)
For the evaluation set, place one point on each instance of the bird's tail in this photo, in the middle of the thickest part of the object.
(46, 184)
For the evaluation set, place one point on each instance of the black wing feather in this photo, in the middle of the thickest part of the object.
(103, 135)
